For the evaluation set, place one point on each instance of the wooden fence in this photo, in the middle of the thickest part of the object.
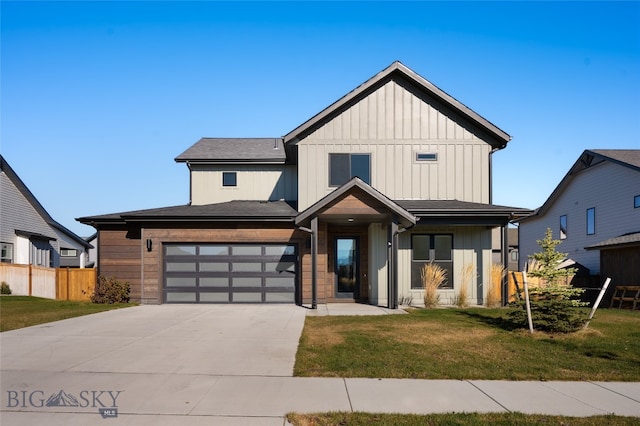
(51, 283)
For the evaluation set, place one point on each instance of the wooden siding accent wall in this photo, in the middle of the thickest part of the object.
(259, 182)
(218, 233)
(356, 203)
(393, 124)
(119, 257)
(321, 277)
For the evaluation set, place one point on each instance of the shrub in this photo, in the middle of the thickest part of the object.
(433, 275)
(109, 290)
(4, 288)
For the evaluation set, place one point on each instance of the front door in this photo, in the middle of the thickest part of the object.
(347, 266)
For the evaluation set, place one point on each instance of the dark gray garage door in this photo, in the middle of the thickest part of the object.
(230, 273)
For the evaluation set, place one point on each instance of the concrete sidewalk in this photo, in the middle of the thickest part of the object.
(232, 365)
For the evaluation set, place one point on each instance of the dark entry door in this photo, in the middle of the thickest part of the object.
(347, 255)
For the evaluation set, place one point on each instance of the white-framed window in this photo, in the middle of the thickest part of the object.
(66, 252)
(436, 248)
(591, 221)
(345, 166)
(6, 252)
(514, 255)
(229, 179)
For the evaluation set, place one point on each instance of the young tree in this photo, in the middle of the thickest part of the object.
(553, 305)
(548, 260)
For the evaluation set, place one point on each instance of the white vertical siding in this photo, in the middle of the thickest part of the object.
(392, 124)
(609, 188)
(259, 182)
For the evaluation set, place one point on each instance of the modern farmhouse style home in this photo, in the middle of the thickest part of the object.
(346, 207)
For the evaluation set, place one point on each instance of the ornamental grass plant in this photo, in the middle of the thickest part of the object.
(433, 276)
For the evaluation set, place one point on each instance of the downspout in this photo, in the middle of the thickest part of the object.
(190, 183)
(314, 260)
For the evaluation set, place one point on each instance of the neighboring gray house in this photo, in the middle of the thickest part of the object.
(595, 212)
(346, 207)
(28, 234)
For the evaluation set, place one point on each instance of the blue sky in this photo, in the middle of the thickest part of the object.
(98, 98)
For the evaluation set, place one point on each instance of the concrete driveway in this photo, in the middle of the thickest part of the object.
(233, 365)
(162, 359)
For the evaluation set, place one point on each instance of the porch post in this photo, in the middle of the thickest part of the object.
(314, 262)
(505, 262)
(392, 260)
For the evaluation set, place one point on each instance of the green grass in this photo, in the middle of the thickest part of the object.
(468, 344)
(499, 419)
(24, 311)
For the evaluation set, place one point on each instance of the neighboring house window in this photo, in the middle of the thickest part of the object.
(343, 167)
(591, 221)
(514, 255)
(6, 252)
(636, 202)
(563, 227)
(68, 252)
(431, 248)
(426, 156)
(229, 179)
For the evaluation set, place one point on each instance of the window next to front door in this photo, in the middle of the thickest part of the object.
(343, 167)
(431, 248)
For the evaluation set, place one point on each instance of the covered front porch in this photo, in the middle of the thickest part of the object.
(354, 244)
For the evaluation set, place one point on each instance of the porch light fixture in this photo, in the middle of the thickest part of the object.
(350, 219)
(149, 244)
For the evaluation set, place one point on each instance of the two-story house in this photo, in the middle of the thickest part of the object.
(595, 212)
(345, 207)
(28, 234)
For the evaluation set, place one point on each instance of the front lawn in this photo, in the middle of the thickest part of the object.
(472, 344)
(24, 311)
(457, 419)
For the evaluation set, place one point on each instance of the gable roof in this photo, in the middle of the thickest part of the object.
(343, 190)
(629, 158)
(31, 199)
(499, 138)
(235, 150)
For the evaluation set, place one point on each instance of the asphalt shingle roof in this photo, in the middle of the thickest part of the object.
(224, 150)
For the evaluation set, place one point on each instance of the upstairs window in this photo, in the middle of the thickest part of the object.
(343, 167)
(636, 202)
(65, 252)
(591, 221)
(563, 227)
(229, 179)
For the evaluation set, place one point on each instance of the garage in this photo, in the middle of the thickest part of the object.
(230, 273)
